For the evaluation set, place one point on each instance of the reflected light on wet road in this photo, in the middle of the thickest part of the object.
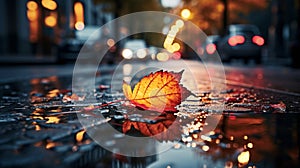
(244, 158)
(284, 79)
(79, 135)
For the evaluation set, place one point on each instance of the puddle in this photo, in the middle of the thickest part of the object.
(257, 129)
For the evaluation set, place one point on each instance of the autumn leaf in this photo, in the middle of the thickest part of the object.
(160, 91)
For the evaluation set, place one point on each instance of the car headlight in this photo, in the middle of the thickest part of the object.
(141, 53)
(127, 53)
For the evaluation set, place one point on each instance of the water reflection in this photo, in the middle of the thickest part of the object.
(238, 141)
(79, 135)
(243, 158)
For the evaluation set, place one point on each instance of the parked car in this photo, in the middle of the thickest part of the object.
(135, 49)
(69, 48)
(242, 41)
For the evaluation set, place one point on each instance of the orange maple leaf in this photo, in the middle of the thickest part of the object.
(160, 91)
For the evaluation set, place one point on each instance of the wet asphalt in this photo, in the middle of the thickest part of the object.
(40, 125)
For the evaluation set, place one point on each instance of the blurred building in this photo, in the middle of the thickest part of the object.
(36, 27)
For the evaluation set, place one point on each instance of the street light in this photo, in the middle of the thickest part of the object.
(185, 13)
(79, 16)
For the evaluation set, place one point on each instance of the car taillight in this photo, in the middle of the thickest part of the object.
(258, 40)
(235, 40)
(211, 48)
(176, 55)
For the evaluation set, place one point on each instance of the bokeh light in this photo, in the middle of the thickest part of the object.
(31, 5)
(50, 21)
(141, 53)
(186, 13)
(79, 26)
(127, 53)
(110, 42)
(162, 56)
(49, 4)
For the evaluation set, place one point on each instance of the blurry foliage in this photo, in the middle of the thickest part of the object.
(130, 6)
(208, 14)
(123, 7)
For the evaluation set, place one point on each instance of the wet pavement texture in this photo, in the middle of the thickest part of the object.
(40, 127)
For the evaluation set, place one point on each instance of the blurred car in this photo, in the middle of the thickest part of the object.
(210, 45)
(135, 49)
(69, 48)
(242, 42)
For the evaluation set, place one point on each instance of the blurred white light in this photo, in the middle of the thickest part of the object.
(165, 30)
(127, 53)
(162, 57)
(141, 53)
(174, 29)
(79, 25)
(185, 13)
(127, 69)
(153, 56)
(179, 23)
(244, 157)
(170, 3)
(205, 148)
(110, 42)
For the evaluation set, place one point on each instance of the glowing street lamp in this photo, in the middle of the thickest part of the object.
(79, 16)
(185, 13)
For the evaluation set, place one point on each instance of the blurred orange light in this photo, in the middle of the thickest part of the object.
(49, 4)
(79, 25)
(78, 10)
(32, 15)
(50, 21)
(79, 135)
(220, 7)
(31, 5)
(50, 145)
(52, 119)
